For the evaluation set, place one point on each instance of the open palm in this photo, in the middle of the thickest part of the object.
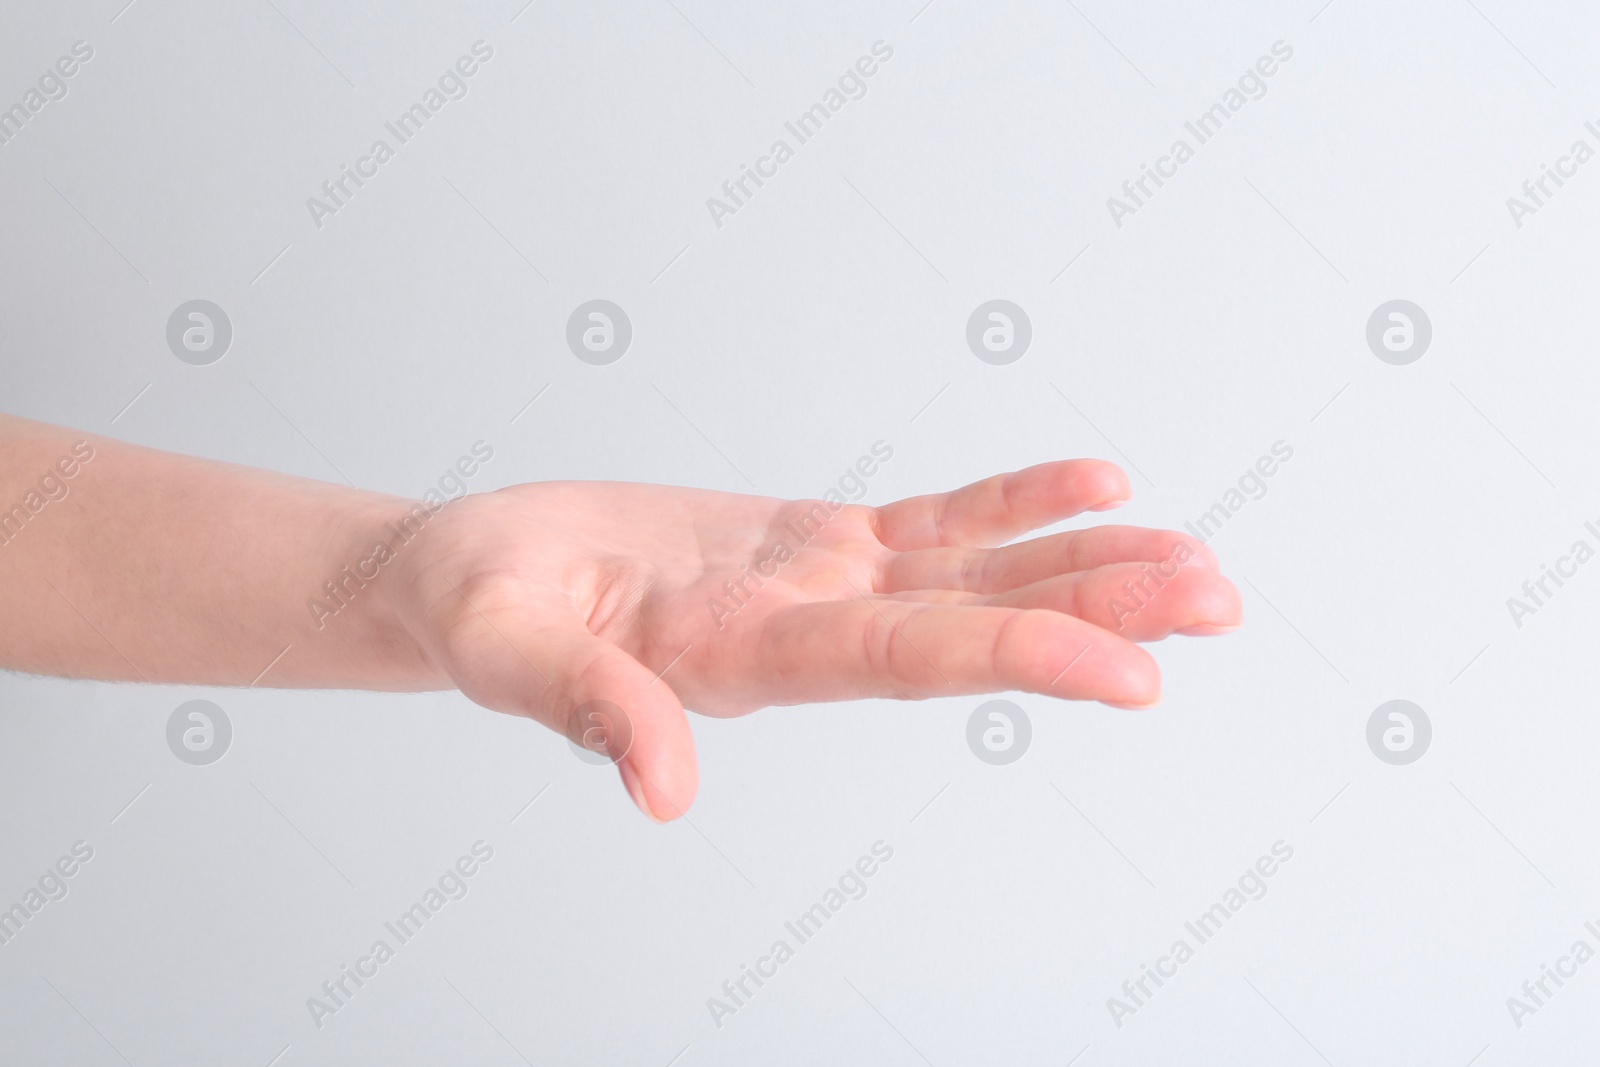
(604, 609)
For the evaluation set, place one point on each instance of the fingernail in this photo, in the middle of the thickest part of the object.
(1109, 504)
(630, 782)
(635, 788)
(1132, 707)
(1210, 629)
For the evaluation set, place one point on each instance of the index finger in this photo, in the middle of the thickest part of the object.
(998, 509)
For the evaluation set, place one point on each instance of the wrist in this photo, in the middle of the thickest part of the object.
(361, 603)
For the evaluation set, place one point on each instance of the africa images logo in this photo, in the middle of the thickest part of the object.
(337, 192)
(852, 85)
(1137, 192)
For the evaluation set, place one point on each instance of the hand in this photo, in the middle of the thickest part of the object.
(544, 599)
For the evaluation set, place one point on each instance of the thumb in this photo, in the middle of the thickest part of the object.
(609, 703)
(590, 691)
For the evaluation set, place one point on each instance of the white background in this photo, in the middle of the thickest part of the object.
(830, 312)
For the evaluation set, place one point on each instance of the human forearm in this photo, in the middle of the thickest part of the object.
(143, 565)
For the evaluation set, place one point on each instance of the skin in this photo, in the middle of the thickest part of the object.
(586, 606)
